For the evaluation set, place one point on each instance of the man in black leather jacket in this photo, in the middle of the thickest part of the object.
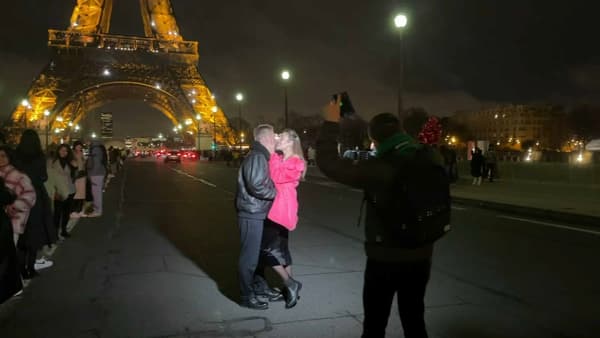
(254, 197)
(389, 269)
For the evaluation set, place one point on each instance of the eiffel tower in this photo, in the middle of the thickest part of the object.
(89, 68)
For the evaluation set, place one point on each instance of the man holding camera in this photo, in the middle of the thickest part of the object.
(390, 268)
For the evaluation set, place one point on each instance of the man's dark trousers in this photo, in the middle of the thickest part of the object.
(250, 238)
(382, 281)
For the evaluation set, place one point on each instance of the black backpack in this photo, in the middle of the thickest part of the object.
(417, 212)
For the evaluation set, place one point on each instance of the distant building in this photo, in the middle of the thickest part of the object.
(543, 126)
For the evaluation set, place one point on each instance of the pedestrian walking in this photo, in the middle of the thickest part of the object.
(61, 170)
(254, 197)
(80, 181)
(96, 167)
(286, 170)
(40, 230)
(398, 250)
(477, 164)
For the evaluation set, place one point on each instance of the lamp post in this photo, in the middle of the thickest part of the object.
(47, 121)
(240, 98)
(400, 21)
(285, 76)
(199, 120)
(214, 110)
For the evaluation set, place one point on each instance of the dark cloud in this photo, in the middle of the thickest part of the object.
(459, 54)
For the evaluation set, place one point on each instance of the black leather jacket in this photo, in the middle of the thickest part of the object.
(255, 189)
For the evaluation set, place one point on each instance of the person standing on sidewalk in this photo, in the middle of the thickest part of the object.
(254, 197)
(286, 171)
(40, 230)
(491, 163)
(390, 269)
(17, 196)
(60, 170)
(97, 169)
(10, 278)
(80, 180)
(477, 164)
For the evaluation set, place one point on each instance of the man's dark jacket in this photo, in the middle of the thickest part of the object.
(376, 177)
(255, 189)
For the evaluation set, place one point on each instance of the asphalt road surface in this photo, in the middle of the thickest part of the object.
(161, 262)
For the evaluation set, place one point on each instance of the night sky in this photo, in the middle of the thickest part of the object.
(459, 54)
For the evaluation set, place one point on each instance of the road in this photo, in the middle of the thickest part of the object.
(162, 262)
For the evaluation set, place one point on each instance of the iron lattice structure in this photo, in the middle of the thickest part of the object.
(89, 68)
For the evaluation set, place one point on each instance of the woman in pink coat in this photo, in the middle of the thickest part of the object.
(286, 169)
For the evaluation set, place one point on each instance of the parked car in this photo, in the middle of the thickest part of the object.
(173, 156)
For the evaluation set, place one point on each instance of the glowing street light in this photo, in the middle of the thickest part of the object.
(400, 21)
(70, 124)
(94, 135)
(46, 113)
(188, 122)
(106, 72)
(285, 76)
(25, 103)
(179, 126)
(77, 127)
(157, 86)
(240, 97)
(59, 119)
(198, 117)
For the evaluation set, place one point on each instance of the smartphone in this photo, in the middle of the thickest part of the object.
(346, 107)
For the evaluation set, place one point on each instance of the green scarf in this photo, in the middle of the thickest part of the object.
(392, 142)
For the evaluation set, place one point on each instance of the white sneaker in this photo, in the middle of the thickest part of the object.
(42, 263)
(75, 215)
(94, 214)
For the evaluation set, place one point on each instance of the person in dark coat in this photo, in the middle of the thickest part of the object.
(10, 277)
(40, 229)
(477, 163)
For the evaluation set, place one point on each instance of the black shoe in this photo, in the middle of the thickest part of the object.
(267, 292)
(278, 297)
(255, 304)
(65, 234)
(292, 293)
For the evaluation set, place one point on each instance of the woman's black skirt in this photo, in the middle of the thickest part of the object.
(274, 249)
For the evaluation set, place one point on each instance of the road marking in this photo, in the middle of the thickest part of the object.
(198, 179)
(458, 208)
(597, 233)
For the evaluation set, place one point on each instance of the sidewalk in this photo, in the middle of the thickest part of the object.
(571, 203)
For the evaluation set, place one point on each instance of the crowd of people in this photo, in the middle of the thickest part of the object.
(40, 193)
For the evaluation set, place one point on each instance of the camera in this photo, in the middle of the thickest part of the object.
(346, 107)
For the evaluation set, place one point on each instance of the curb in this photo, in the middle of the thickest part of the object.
(554, 215)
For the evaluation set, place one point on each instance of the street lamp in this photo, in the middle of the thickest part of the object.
(93, 135)
(46, 115)
(400, 21)
(199, 119)
(285, 76)
(214, 110)
(240, 97)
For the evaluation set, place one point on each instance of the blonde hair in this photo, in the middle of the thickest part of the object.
(296, 147)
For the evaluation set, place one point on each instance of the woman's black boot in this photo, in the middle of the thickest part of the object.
(292, 293)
